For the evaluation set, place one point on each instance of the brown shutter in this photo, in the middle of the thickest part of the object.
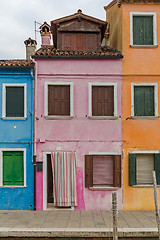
(59, 100)
(79, 42)
(88, 171)
(117, 171)
(103, 101)
(91, 42)
(67, 41)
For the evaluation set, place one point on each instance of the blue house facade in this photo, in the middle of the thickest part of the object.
(16, 134)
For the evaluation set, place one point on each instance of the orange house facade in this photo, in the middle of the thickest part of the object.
(134, 28)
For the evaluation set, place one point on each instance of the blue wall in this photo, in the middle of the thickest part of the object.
(18, 134)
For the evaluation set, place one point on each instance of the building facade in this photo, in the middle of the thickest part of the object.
(16, 135)
(78, 126)
(135, 32)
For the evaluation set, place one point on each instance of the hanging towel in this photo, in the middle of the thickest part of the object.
(64, 179)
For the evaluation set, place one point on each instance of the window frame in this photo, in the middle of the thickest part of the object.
(132, 14)
(155, 85)
(46, 100)
(4, 100)
(1, 166)
(143, 152)
(104, 187)
(102, 84)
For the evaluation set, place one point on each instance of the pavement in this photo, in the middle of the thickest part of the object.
(77, 224)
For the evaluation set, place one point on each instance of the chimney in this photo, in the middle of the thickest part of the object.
(30, 47)
(45, 31)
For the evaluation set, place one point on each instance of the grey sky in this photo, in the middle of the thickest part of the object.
(17, 20)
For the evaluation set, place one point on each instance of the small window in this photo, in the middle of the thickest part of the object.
(143, 29)
(103, 170)
(58, 100)
(103, 102)
(141, 167)
(144, 100)
(13, 168)
(14, 101)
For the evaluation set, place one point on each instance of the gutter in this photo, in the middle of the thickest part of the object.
(79, 57)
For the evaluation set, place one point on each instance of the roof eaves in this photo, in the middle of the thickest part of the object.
(110, 4)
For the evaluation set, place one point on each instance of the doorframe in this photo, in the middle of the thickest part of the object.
(45, 184)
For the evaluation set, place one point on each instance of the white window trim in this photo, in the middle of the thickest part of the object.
(154, 27)
(1, 165)
(155, 85)
(101, 84)
(4, 100)
(46, 99)
(45, 183)
(144, 152)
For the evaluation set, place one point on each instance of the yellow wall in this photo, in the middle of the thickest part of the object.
(139, 65)
(113, 17)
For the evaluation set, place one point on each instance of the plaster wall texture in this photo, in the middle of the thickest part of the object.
(140, 65)
(18, 134)
(79, 134)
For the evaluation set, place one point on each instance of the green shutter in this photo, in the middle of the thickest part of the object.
(14, 101)
(157, 166)
(132, 169)
(144, 101)
(13, 169)
(143, 30)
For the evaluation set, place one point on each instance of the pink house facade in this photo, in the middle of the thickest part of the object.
(79, 126)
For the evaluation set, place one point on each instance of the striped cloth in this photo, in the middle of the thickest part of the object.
(64, 179)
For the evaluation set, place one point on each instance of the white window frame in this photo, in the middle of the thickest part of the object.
(155, 85)
(102, 84)
(132, 14)
(1, 166)
(45, 184)
(46, 99)
(4, 100)
(144, 152)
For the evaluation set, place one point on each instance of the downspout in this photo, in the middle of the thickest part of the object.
(34, 144)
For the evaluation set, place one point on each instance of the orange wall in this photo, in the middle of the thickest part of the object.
(139, 65)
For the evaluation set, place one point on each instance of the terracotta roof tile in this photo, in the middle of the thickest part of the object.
(50, 51)
(16, 63)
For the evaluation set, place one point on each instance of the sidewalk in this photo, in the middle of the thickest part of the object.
(80, 224)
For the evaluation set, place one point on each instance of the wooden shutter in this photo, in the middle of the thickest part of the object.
(59, 100)
(79, 41)
(144, 101)
(67, 41)
(117, 171)
(132, 169)
(157, 166)
(88, 171)
(103, 170)
(143, 30)
(14, 101)
(103, 101)
(91, 42)
(13, 169)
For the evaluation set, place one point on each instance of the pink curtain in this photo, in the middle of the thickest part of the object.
(64, 179)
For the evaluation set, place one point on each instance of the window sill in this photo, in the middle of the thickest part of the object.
(58, 117)
(144, 186)
(143, 46)
(13, 186)
(101, 188)
(13, 118)
(104, 117)
(144, 117)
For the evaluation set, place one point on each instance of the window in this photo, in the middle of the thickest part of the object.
(14, 101)
(102, 100)
(143, 29)
(13, 167)
(58, 99)
(141, 166)
(103, 170)
(144, 99)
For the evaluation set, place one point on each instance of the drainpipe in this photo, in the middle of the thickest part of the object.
(34, 146)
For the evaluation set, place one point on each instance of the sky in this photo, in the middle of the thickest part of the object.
(17, 20)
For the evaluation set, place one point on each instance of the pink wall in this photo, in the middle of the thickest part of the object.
(80, 134)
